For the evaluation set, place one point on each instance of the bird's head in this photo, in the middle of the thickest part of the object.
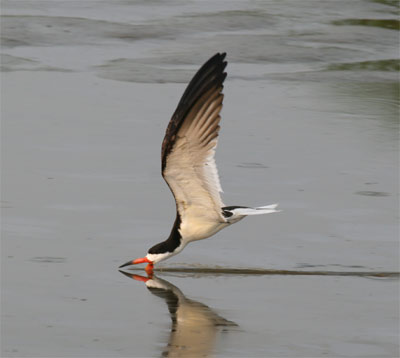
(150, 259)
(149, 267)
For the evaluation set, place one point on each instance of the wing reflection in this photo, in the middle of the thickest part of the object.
(195, 326)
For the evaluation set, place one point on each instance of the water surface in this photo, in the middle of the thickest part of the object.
(310, 120)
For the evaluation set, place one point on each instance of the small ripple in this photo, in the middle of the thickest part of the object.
(372, 193)
(252, 165)
(48, 259)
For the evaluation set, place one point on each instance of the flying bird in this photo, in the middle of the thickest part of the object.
(188, 166)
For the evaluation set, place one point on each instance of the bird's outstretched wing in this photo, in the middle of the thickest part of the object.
(188, 148)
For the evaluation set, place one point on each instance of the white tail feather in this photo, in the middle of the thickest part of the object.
(272, 206)
(255, 211)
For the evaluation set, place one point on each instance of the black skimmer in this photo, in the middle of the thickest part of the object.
(195, 327)
(188, 166)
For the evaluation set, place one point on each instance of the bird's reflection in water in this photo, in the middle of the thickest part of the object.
(195, 326)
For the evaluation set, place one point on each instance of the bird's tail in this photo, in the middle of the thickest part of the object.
(268, 209)
(235, 213)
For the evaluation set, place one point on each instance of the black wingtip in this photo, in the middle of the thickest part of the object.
(216, 60)
(218, 56)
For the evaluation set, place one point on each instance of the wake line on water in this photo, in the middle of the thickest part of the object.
(244, 271)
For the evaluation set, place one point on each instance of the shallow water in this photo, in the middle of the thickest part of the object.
(310, 120)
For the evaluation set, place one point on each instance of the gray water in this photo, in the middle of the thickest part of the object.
(310, 120)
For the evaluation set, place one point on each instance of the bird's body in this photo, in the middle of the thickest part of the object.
(189, 168)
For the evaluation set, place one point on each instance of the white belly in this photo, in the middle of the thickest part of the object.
(199, 229)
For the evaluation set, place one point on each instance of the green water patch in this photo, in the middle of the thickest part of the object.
(391, 65)
(392, 24)
(394, 3)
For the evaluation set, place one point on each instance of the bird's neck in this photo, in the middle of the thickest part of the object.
(172, 245)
